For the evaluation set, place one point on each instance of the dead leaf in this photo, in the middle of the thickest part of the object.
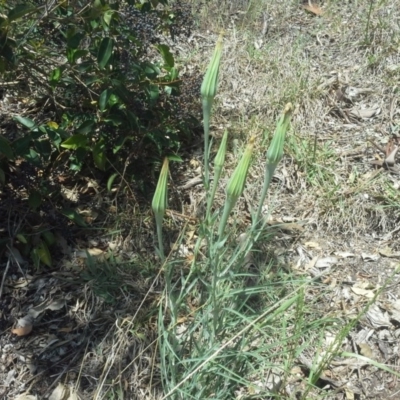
(326, 262)
(378, 318)
(56, 305)
(311, 264)
(24, 326)
(344, 254)
(369, 257)
(353, 92)
(70, 195)
(67, 329)
(312, 245)
(59, 393)
(88, 214)
(366, 350)
(25, 396)
(365, 113)
(313, 8)
(93, 252)
(388, 252)
(73, 395)
(349, 394)
(363, 292)
(394, 310)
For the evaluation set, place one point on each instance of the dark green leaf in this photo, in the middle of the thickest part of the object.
(120, 143)
(2, 177)
(75, 142)
(44, 254)
(55, 76)
(105, 51)
(43, 147)
(145, 7)
(73, 216)
(35, 199)
(5, 148)
(99, 156)
(151, 71)
(78, 159)
(35, 258)
(2, 66)
(27, 122)
(19, 11)
(103, 99)
(33, 158)
(74, 39)
(7, 52)
(86, 127)
(111, 181)
(166, 55)
(79, 54)
(115, 119)
(70, 55)
(55, 137)
(175, 157)
(21, 145)
(154, 92)
(132, 118)
(49, 237)
(21, 238)
(91, 79)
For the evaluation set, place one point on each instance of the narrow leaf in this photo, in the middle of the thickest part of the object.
(111, 181)
(99, 156)
(103, 99)
(73, 216)
(27, 122)
(49, 238)
(21, 238)
(75, 142)
(19, 11)
(105, 51)
(86, 127)
(166, 55)
(44, 253)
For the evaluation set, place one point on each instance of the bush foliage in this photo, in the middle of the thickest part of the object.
(106, 91)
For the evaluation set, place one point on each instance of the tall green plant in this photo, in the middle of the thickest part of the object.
(219, 262)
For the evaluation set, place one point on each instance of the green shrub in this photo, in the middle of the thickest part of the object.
(105, 90)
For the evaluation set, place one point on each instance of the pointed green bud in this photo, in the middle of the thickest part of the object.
(208, 92)
(236, 183)
(159, 203)
(210, 81)
(236, 186)
(275, 151)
